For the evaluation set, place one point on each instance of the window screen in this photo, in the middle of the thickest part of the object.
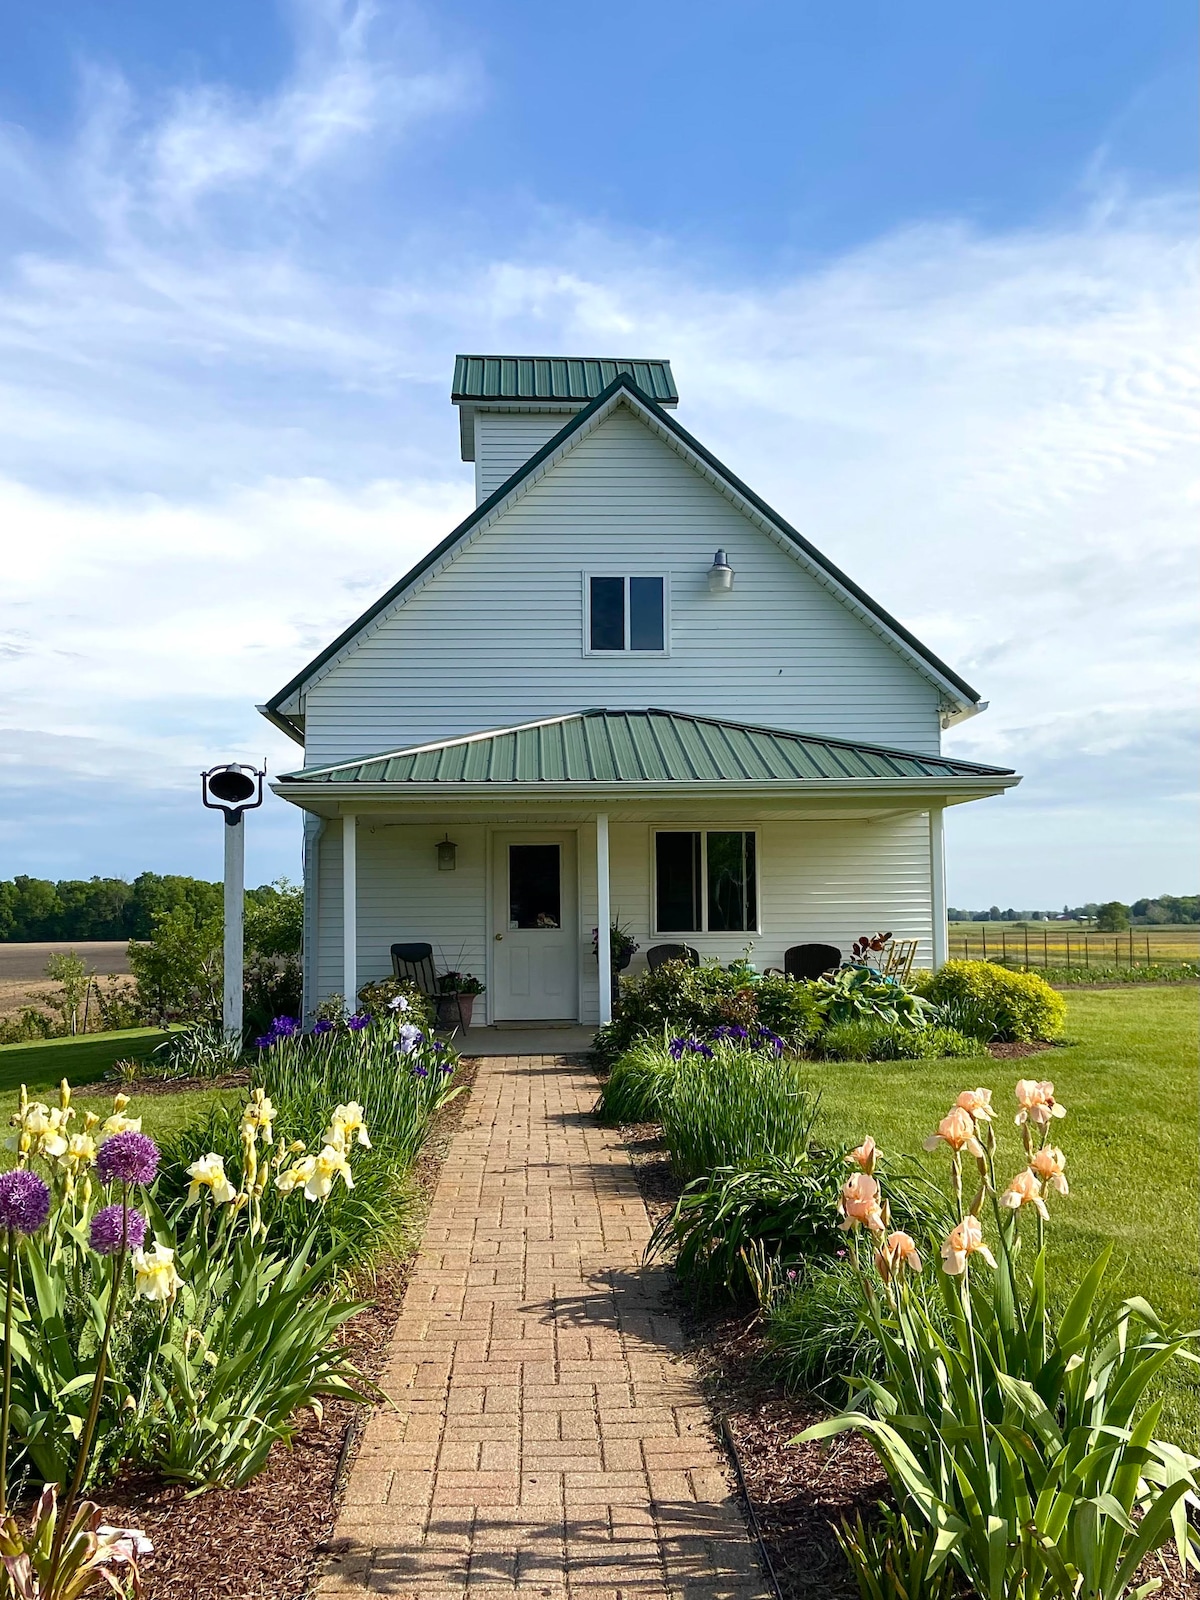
(608, 614)
(705, 882)
(645, 613)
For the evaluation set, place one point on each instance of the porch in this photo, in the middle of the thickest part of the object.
(507, 852)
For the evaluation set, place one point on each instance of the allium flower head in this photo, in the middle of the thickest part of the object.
(24, 1201)
(104, 1235)
(127, 1158)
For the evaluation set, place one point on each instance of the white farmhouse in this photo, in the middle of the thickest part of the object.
(623, 690)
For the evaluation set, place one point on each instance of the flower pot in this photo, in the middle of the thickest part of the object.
(453, 1009)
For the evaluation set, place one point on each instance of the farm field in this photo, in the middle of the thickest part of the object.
(1067, 944)
(23, 967)
(1128, 1080)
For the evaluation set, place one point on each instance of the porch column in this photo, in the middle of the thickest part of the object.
(603, 919)
(937, 884)
(350, 909)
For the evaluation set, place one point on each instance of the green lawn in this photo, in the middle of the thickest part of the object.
(82, 1060)
(41, 1067)
(1130, 1135)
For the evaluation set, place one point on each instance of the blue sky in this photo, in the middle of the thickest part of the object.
(925, 275)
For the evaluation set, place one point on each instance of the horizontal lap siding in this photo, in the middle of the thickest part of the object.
(820, 883)
(496, 637)
(403, 897)
(504, 442)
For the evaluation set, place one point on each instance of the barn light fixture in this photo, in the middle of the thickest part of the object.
(447, 854)
(234, 789)
(720, 574)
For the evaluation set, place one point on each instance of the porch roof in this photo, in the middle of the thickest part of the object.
(645, 747)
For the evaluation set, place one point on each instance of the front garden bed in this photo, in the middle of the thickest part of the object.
(267, 1540)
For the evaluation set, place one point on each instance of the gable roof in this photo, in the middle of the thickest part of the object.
(623, 386)
(549, 378)
(644, 747)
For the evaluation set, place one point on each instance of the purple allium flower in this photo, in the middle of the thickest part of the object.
(322, 1025)
(360, 1020)
(105, 1232)
(24, 1201)
(127, 1158)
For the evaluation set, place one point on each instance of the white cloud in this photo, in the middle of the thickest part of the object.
(220, 434)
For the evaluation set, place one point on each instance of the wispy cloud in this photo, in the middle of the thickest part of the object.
(224, 426)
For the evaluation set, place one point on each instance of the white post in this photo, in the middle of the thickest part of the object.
(603, 919)
(235, 899)
(937, 884)
(350, 910)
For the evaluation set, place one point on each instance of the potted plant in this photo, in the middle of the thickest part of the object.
(456, 998)
(622, 945)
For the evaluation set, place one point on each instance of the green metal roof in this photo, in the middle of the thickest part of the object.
(639, 747)
(574, 378)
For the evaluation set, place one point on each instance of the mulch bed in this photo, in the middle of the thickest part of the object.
(141, 1087)
(1014, 1051)
(264, 1542)
(797, 1494)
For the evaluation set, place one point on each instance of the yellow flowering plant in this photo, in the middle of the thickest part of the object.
(1022, 1445)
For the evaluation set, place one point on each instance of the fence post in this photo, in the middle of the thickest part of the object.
(1087, 955)
(1131, 944)
(983, 930)
(1026, 946)
(1045, 949)
(1116, 952)
(1147, 949)
(1004, 945)
(1068, 952)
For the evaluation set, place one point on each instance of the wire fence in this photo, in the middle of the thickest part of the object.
(1047, 946)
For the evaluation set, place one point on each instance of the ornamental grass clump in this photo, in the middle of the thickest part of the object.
(1022, 1443)
(734, 1103)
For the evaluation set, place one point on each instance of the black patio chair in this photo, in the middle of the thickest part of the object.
(810, 961)
(659, 954)
(414, 963)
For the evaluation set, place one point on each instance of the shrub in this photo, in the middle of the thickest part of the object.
(396, 995)
(870, 1040)
(729, 1106)
(789, 1008)
(680, 999)
(988, 1001)
(1021, 1440)
(742, 1231)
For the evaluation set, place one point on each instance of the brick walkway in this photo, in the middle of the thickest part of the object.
(546, 1441)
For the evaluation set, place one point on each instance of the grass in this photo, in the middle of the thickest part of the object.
(83, 1059)
(1129, 1082)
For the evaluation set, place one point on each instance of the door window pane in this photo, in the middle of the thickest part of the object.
(645, 613)
(731, 899)
(608, 613)
(534, 886)
(677, 862)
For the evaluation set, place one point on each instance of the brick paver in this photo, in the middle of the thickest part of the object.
(545, 1439)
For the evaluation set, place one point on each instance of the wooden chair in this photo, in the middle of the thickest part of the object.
(898, 959)
(659, 954)
(809, 961)
(414, 963)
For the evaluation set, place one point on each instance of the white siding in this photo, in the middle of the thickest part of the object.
(505, 440)
(497, 637)
(819, 881)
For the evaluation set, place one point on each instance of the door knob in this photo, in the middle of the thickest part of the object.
(499, 936)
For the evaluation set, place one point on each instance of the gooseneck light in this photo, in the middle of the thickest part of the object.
(720, 574)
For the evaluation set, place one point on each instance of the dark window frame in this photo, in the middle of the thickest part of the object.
(753, 927)
(626, 649)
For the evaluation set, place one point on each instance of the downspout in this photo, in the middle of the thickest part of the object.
(314, 828)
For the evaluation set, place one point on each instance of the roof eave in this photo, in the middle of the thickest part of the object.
(974, 787)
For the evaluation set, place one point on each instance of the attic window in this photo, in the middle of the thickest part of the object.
(626, 613)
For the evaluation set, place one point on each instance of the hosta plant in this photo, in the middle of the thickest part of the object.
(860, 994)
(1024, 1442)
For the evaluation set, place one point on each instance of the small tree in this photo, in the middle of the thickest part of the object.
(179, 969)
(70, 972)
(1112, 917)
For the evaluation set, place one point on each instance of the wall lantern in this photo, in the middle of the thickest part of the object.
(720, 574)
(447, 854)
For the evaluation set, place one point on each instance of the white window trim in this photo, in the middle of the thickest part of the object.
(625, 654)
(675, 935)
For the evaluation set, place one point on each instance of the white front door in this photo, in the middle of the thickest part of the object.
(535, 949)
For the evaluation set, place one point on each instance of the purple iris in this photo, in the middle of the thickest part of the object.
(359, 1021)
(730, 1030)
(322, 1025)
(676, 1048)
(265, 1041)
(285, 1027)
(24, 1201)
(127, 1158)
(104, 1234)
(446, 1066)
(771, 1041)
(420, 1072)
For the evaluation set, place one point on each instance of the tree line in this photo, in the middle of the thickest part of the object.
(36, 910)
(1109, 916)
